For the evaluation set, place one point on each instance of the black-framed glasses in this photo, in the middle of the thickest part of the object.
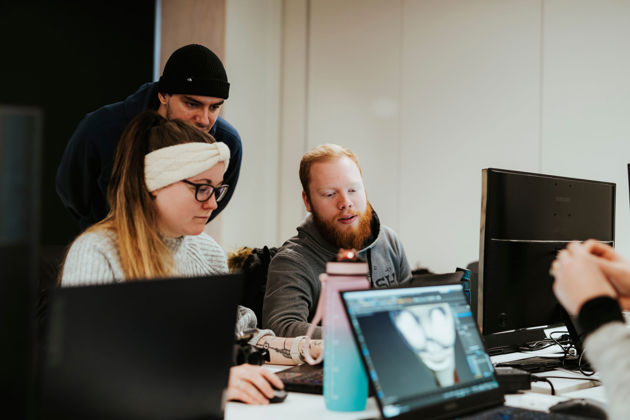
(203, 192)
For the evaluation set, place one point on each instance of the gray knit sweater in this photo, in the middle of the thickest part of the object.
(608, 349)
(94, 259)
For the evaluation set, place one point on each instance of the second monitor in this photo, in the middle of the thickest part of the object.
(526, 218)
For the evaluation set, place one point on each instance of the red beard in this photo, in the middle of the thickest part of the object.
(346, 238)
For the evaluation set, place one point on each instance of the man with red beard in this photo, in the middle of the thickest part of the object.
(340, 216)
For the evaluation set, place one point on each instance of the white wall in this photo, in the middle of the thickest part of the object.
(253, 64)
(427, 93)
(586, 97)
(354, 91)
(471, 100)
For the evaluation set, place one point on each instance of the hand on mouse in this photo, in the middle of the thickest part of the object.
(279, 395)
(252, 384)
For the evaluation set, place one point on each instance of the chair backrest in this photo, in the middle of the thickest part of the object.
(254, 271)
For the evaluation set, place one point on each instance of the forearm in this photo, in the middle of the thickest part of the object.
(607, 349)
(280, 349)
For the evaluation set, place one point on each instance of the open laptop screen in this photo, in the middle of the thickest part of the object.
(421, 348)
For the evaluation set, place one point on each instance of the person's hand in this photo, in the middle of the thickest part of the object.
(595, 247)
(252, 384)
(613, 265)
(316, 348)
(624, 302)
(578, 278)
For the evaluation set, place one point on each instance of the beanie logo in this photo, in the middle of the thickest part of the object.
(189, 79)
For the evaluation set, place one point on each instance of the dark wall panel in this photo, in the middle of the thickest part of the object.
(61, 59)
(70, 58)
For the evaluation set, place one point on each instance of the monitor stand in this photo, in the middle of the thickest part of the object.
(511, 341)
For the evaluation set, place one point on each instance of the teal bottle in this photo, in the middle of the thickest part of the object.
(345, 380)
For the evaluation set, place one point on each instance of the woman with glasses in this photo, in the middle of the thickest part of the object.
(166, 181)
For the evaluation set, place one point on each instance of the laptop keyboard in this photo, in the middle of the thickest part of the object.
(515, 413)
(307, 379)
(303, 378)
(312, 378)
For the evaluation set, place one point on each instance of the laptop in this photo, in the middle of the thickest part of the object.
(303, 378)
(142, 349)
(432, 279)
(424, 355)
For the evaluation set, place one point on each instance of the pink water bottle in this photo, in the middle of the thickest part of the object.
(345, 381)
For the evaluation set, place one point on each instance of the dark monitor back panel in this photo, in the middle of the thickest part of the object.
(520, 295)
(526, 219)
(527, 206)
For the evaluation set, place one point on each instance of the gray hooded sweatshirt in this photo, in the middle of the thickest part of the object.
(293, 285)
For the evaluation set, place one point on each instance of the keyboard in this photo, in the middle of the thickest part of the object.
(505, 412)
(303, 378)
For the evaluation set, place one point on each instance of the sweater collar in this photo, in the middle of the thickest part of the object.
(173, 244)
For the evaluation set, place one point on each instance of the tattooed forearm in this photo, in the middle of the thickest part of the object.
(280, 348)
(283, 351)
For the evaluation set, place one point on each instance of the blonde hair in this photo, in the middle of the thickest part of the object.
(133, 216)
(322, 153)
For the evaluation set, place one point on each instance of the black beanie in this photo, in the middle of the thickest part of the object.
(195, 70)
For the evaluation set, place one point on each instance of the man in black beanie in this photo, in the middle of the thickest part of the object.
(192, 88)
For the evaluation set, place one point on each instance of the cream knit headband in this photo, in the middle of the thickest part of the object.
(167, 165)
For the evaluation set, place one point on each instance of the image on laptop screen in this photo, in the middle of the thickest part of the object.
(421, 347)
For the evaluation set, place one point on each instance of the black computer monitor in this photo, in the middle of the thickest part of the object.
(526, 218)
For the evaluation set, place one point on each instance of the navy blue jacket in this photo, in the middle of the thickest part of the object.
(87, 162)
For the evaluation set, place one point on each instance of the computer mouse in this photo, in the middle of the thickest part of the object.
(582, 407)
(279, 395)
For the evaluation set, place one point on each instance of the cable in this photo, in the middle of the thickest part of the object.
(544, 379)
(563, 341)
(535, 345)
(590, 372)
(566, 344)
(548, 342)
(569, 377)
(581, 364)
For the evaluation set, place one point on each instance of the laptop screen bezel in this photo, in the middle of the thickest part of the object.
(445, 409)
